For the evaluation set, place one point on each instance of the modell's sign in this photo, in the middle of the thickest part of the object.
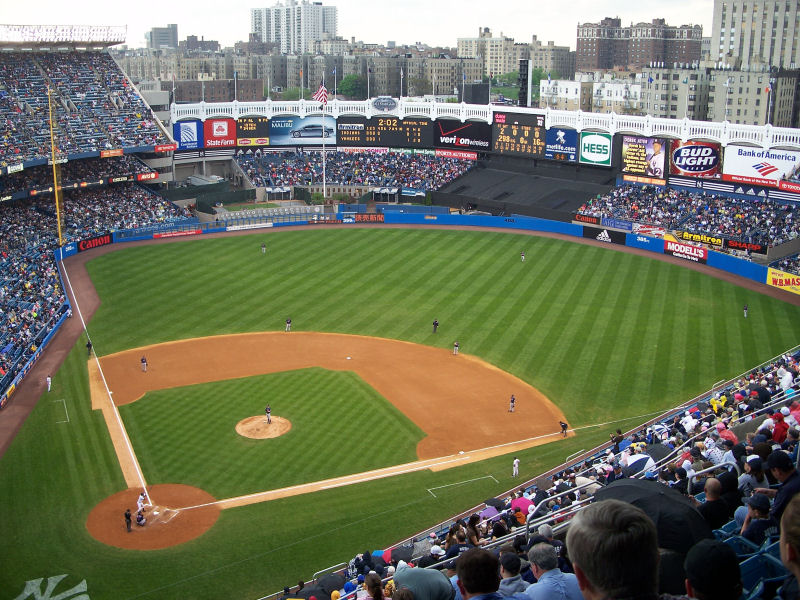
(686, 251)
(700, 238)
(696, 159)
(95, 242)
(220, 133)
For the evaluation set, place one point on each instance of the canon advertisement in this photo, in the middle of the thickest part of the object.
(561, 144)
(462, 136)
(696, 159)
(759, 166)
(219, 133)
(188, 134)
(302, 131)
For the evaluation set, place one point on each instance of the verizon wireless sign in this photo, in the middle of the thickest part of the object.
(462, 136)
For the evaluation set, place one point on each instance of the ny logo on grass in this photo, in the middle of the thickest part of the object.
(33, 589)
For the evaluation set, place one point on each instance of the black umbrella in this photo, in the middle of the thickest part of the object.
(330, 582)
(402, 553)
(636, 464)
(497, 503)
(678, 522)
(315, 591)
(657, 451)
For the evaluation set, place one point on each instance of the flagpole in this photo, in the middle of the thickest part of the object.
(369, 70)
(324, 177)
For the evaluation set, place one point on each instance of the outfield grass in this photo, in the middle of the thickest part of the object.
(606, 335)
(353, 429)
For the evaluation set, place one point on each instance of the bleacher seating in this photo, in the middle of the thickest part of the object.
(754, 220)
(390, 169)
(96, 107)
(790, 264)
(31, 297)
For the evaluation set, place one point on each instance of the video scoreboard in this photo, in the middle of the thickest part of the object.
(252, 131)
(518, 134)
(385, 132)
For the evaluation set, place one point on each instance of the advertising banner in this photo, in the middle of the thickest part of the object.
(146, 176)
(700, 238)
(110, 153)
(561, 144)
(587, 219)
(219, 133)
(470, 135)
(696, 254)
(696, 159)
(369, 218)
(650, 230)
(595, 149)
(386, 132)
(758, 166)
(643, 156)
(604, 235)
(518, 134)
(784, 281)
(644, 242)
(95, 242)
(301, 131)
(165, 147)
(188, 134)
(252, 132)
(617, 224)
(743, 246)
(456, 154)
(644, 180)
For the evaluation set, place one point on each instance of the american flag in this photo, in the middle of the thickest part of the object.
(321, 95)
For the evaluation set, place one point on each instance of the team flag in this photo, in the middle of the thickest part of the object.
(321, 95)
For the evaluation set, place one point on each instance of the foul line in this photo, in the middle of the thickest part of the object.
(446, 461)
(66, 412)
(438, 487)
(125, 437)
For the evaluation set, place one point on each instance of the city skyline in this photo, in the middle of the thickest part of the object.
(437, 24)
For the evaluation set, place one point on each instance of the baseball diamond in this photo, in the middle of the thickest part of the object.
(603, 335)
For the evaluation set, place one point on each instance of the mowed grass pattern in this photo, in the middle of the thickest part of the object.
(602, 333)
(340, 425)
(607, 336)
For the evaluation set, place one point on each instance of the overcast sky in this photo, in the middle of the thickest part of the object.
(435, 22)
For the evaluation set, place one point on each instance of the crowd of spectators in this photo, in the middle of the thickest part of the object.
(31, 297)
(756, 220)
(790, 264)
(746, 484)
(96, 107)
(389, 169)
(90, 169)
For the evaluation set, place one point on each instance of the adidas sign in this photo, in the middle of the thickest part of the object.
(604, 237)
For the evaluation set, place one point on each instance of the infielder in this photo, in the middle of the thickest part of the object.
(288, 324)
(512, 403)
(515, 467)
(455, 348)
(49, 381)
(564, 427)
(144, 364)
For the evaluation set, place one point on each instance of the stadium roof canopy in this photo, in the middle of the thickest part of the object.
(54, 37)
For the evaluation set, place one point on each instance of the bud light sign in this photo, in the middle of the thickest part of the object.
(696, 159)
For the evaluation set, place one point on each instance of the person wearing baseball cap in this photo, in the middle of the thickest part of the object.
(758, 524)
(782, 468)
(712, 571)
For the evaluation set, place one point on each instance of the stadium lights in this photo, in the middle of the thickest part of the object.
(85, 34)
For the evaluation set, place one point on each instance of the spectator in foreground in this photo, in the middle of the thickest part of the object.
(714, 509)
(511, 582)
(478, 577)
(425, 584)
(550, 581)
(758, 524)
(790, 548)
(782, 468)
(712, 571)
(614, 550)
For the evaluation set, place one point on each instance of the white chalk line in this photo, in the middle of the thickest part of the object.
(439, 487)
(383, 473)
(125, 437)
(66, 412)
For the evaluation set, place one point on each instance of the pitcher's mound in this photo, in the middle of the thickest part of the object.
(258, 429)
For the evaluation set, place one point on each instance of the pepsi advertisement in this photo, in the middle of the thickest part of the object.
(696, 159)
(561, 144)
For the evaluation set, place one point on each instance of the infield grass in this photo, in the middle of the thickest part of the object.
(605, 335)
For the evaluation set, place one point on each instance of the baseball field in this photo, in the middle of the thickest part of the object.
(366, 391)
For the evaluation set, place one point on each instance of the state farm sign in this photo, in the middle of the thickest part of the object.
(219, 133)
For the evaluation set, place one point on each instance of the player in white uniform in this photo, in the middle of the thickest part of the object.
(515, 467)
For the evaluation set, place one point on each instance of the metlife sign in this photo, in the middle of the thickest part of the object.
(561, 144)
(595, 149)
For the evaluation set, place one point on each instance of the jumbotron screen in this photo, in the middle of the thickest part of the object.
(385, 132)
(518, 134)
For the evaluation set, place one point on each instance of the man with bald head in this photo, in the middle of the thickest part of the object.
(714, 510)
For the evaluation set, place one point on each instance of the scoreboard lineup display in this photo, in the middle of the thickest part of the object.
(520, 134)
(385, 131)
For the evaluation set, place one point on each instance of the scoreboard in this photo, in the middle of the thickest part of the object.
(385, 132)
(518, 134)
(252, 131)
